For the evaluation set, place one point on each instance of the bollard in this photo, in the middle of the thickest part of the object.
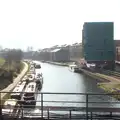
(70, 115)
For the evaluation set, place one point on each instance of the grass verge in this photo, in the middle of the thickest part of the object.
(111, 88)
(109, 84)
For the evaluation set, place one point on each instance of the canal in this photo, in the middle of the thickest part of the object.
(61, 79)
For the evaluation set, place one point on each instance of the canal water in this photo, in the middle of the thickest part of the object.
(60, 79)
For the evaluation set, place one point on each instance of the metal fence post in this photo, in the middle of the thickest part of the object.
(110, 114)
(91, 115)
(86, 106)
(70, 115)
(48, 113)
(22, 111)
(42, 105)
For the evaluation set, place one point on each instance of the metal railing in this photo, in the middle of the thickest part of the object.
(66, 106)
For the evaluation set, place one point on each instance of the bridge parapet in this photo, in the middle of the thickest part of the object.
(52, 105)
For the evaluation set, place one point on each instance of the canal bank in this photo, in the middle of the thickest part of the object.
(107, 83)
(110, 84)
(58, 63)
(15, 81)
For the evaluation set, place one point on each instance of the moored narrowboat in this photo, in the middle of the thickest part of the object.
(30, 95)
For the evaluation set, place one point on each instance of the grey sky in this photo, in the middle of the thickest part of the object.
(43, 23)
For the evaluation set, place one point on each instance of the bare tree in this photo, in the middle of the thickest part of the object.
(14, 55)
(13, 58)
(1, 48)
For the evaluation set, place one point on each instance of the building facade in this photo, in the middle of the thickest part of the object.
(60, 55)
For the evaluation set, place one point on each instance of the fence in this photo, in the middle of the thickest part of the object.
(64, 106)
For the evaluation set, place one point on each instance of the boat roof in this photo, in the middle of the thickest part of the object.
(37, 63)
(32, 69)
(31, 87)
(11, 102)
(39, 71)
(73, 65)
(30, 75)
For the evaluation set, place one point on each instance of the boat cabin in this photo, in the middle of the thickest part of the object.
(37, 66)
(73, 68)
(30, 91)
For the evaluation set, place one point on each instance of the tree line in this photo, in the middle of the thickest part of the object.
(12, 66)
(13, 59)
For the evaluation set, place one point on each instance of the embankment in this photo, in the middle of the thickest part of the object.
(109, 84)
(58, 63)
(8, 89)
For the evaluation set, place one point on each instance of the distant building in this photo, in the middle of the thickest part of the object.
(75, 51)
(60, 55)
(44, 55)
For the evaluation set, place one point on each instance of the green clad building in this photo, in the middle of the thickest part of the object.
(98, 43)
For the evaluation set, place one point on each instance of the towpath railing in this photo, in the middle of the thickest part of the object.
(68, 106)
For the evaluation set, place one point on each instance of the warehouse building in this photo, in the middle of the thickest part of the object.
(60, 55)
(44, 55)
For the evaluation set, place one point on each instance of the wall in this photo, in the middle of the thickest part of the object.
(61, 56)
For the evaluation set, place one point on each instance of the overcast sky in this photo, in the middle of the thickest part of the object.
(44, 23)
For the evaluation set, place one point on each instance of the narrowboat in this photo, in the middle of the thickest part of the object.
(37, 66)
(30, 94)
(74, 68)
